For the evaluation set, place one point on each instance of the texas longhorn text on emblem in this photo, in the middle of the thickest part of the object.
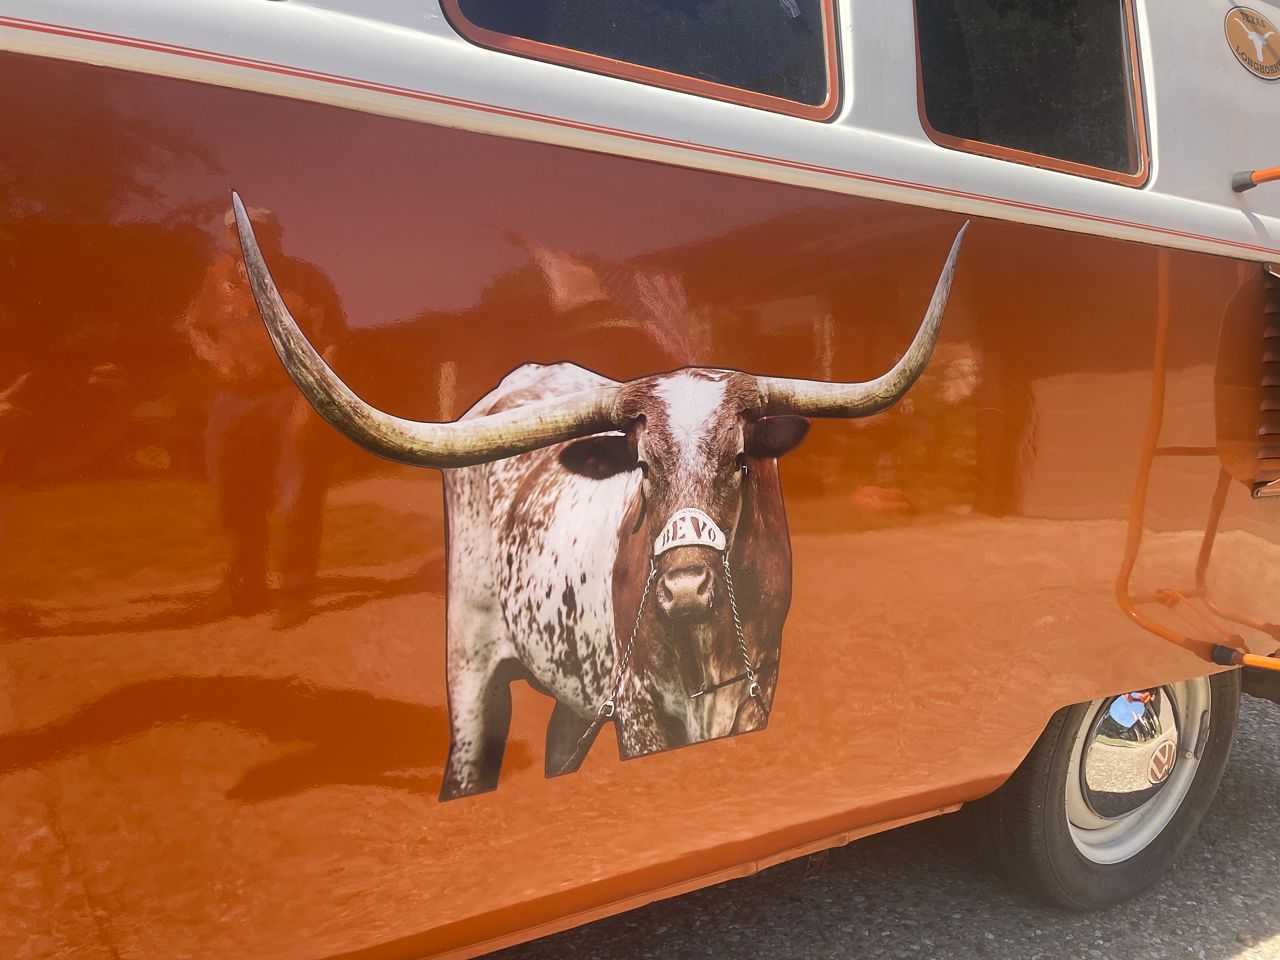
(593, 526)
(1250, 35)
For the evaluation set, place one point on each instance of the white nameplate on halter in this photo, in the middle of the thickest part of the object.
(689, 527)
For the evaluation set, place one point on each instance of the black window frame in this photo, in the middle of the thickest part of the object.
(594, 63)
(1140, 144)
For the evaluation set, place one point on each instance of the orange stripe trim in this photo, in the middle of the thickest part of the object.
(268, 67)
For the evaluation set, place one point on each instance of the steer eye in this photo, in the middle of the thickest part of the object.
(742, 464)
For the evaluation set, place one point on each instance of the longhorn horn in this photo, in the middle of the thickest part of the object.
(820, 398)
(460, 443)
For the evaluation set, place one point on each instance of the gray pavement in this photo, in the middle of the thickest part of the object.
(920, 892)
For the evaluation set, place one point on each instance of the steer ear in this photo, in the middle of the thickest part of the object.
(774, 436)
(599, 457)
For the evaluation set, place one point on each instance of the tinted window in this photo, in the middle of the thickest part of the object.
(774, 47)
(1050, 77)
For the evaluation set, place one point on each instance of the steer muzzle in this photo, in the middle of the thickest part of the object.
(687, 590)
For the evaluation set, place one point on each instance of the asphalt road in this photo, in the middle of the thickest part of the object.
(920, 892)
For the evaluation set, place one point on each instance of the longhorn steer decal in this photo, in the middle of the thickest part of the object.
(622, 545)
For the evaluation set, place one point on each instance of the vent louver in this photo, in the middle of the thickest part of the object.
(1267, 471)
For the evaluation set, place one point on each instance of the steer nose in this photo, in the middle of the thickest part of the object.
(686, 592)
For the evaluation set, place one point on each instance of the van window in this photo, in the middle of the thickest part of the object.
(1051, 78)
(773, 52)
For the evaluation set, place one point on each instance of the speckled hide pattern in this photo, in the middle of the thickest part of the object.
(550, 552)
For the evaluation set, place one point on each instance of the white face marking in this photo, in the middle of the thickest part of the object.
(692, 403)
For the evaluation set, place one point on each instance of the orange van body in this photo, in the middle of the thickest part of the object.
(194, 768)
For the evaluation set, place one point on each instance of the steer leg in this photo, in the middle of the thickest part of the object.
(564, 733)
(479, 662)
(480, 718)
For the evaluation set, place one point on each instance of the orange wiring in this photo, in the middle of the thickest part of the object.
(1243, 180)
(1254, 660)
(1266, 175)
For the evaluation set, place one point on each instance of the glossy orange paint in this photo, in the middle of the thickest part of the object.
(188, 769)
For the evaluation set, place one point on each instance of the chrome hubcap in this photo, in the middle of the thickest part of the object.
(1129, 752)
(1132, 763)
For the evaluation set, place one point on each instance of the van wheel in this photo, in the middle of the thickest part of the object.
(1112, 791)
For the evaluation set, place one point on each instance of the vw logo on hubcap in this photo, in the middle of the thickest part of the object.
(1162, 762)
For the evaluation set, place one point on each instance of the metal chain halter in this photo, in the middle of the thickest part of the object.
(609, 707)
(753, 686)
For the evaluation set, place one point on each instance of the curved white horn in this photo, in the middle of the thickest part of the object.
(458, 444)
(820, 398)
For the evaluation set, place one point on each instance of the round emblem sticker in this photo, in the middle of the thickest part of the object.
(1254, 41)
